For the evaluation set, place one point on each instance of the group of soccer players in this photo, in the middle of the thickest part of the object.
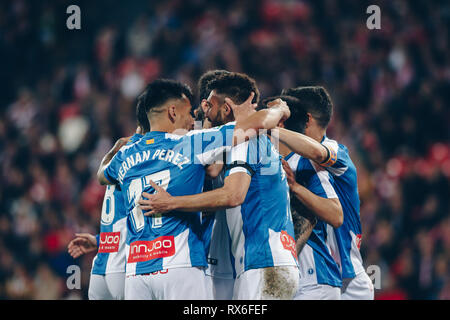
(258, 204)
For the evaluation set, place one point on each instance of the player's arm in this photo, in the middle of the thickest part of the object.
(328, 210)
(214, 170)
(304, 222)
(303, 145)
(107, 159)
(232, 194)
(249, 122)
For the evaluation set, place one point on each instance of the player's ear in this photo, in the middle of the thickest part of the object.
(204, 105)
(309, 121)
(171, 112)
(226, 109)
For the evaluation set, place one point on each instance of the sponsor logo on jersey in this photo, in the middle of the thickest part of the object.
(109, 242)
(161, 247)
(288, 243)
(358, 240)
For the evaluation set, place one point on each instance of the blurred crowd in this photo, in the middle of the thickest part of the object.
(67, 95)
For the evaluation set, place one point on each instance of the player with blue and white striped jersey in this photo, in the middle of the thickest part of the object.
(313, 193)
(256, 196)
(344, 241)
(166, 256)
(220, 271)
(320, 277)
(347, 241)
(107, 280)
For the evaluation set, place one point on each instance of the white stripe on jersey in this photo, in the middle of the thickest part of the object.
(293, 162)
(281, 256)
(212, 155)
(131, 267)
(333, 247)
(239, 152)
(322, 173)
(235, 227)
(182, 255)
(355, 255)
(116, 260)
(307, 266)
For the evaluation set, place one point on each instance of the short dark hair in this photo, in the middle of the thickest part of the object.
(141, 115)
(315, 100)
(203, 82)
(159, 92)
(204, 91)
(299, 117)
(236, 86)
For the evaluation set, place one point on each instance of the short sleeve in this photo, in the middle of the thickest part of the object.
(338, 160)
(237, 160)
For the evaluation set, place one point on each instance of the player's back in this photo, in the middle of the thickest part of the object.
(176, 163)
(348, 236)
(261, 228)
(316, 261)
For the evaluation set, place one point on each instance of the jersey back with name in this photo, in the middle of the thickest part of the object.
(176, 163)
(349, 235)
(261, 229)
(110, 257)
(316, 261)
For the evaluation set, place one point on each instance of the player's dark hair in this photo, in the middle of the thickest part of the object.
(203, 82)
(236, 86)
(299, 117)
(314, 100)
(204, 91)
(141, 115)
(159, 92)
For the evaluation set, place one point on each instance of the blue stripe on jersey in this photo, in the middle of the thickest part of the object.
(266, 205)
(327, 270)
(177, 164)
(110, 215)
(346, 186)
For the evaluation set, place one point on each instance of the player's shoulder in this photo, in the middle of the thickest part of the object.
(334, 144)
(229, 125)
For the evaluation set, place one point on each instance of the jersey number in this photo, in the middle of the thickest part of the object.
(162, 179)
(108, 206)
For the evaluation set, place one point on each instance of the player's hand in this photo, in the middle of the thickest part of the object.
(279, 103)
(119, 144)
(289, 174)
(82, 244)
(159, 202)
(244, 110)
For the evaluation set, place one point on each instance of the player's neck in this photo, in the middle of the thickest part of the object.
(316, 133)
(162, 126)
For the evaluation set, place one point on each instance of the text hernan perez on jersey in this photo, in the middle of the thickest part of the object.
(184, 156)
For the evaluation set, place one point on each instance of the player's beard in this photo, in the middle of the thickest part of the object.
(218, 120)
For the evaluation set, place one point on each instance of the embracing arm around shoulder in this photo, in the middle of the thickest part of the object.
(302, 145)
(107, 158)
(232, 194)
